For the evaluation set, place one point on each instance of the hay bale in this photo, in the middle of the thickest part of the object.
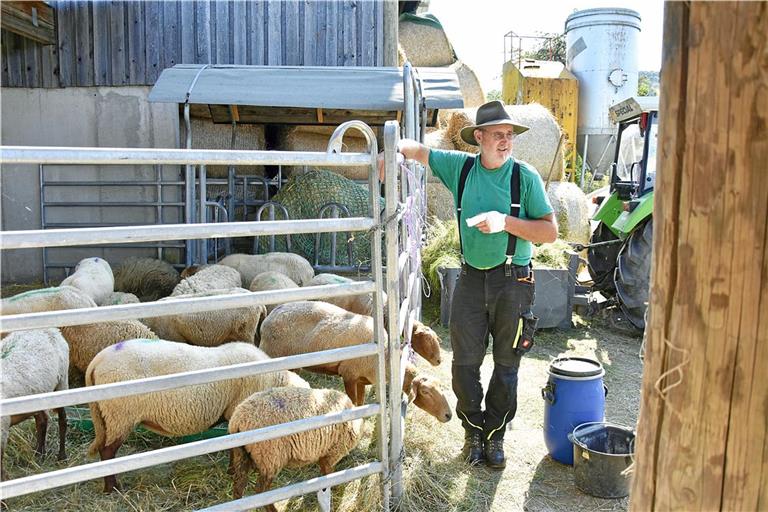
(293, 139)
(305, 194)
(571, 211)
(470, 86)
(538, 146)
(440, 201)
(438, 139)
(206, 135)
(425, 44)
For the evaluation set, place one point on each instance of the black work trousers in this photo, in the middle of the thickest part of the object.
(488, 302)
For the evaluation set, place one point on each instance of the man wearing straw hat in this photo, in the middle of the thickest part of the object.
(502, 209)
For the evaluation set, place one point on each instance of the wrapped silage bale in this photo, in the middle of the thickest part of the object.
(207, 135)
(424, 42)
(571, 211)
(539, 146)
(305, 194)
(302, 139)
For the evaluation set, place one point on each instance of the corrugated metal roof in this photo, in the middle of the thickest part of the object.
(353, 88)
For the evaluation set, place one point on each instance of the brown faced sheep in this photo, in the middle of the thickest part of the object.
(176, 412)
(271, 280)
(147, 278)
(424, 340)
(311, 326)
(209, 328)
(326, 445)
(33, 362)
(249, 266)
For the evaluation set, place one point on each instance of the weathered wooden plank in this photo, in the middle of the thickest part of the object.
(50, 63)
(274, 41)
(101, 42)
(349, 47)
(33, 20)
(367, 34)
(136, 43)
(390, 33)
(119, 40)
(332, 34)
(220, 26)
(5, 49)
(703, 424)
(170, 54)
(188, 40)
(65, 15)
(320, 33)
(83, 44)
(379, 21)
(31, 51)
(309, 32)
(153, 28)
(256, 17)
(239, 39)
(203, 32)
(291, 34)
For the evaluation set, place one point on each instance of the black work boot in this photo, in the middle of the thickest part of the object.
(473, 447)
(494, 454)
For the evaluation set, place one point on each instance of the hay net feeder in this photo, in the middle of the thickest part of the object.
(276, 97)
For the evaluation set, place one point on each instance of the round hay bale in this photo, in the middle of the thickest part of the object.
(538, 146)
(305, 194)
(207, 135)
(571, 211)
(438, 139)
(292, 139)
(425, 44)
(470, 86)
(440, 201)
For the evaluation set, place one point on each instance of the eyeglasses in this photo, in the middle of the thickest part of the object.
(499, 136)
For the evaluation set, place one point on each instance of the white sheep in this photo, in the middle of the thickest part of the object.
(85, 341)
(311, 326)
(249, 266)
(212, 277)
(325, 445)
(147, 278)
(34, 361)
(46, 299)
(177, 412)
(117, 298)
(424, 340)
(210, 328)
(94, 277)
(271, 280)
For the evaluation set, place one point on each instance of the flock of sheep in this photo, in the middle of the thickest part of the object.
(40, 361)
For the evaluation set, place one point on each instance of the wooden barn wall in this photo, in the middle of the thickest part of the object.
(130, 43)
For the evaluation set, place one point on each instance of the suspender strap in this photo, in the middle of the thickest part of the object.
(468, 163)
(514, 211)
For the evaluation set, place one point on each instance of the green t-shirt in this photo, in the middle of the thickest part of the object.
(487, 190)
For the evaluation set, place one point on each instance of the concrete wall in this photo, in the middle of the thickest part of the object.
(80, 116)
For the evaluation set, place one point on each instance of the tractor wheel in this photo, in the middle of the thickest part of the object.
(602, 259)
(633, 272)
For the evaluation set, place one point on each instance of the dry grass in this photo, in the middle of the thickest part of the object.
(435, 479)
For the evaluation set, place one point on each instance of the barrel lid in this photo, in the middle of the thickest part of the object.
(575, 367)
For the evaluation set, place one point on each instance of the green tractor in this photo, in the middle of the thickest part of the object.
(619, 252)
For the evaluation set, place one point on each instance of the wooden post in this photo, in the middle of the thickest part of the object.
(702, 435)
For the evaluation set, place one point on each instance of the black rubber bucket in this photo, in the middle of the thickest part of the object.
(602, 452)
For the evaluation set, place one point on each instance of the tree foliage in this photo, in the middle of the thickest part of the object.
(549, 48)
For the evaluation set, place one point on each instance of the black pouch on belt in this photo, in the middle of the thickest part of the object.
(524, 342)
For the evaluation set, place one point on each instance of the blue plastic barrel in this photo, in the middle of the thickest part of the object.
(574, 394)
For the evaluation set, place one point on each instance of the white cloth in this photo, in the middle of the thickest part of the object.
(495, 220)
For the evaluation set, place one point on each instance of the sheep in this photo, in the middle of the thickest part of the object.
(249, 266)
(212, 277)
(46, 299)
(176, 412)
(271, 281)
(94, 277)
(34, 361)
(424, 340)
(308, 326)
(117, 298)
(148, 278)
(326, 445)
(85, 341)
(210, 328)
